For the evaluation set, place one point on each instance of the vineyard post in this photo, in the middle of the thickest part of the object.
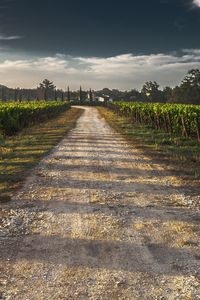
(184, 128)
(166, 123)
(169, 123)
(198, 128)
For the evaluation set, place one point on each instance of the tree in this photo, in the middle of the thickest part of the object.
(29, 96)
(3, 93)
(151, 92)
(90, 96)
(16, 94)
(20, 96)
(80, 95)
(131, 96)
(68, 94)
(48, 87)
(167, 94)
(189, 89)
(55, 95)
(192, 79)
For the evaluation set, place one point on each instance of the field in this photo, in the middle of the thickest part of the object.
(178, 153)
(22, 151)
(104, 214)
(177, 119)
(15, 115)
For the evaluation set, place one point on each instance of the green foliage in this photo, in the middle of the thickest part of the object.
(90, 95)
(150, 92)
(2, 142)
(192, 78)
(81, 95)
(20, 152)
(48, 87)
(68, 94)
(15, 116)
(176, 119)
(87, 103)
(189, 90)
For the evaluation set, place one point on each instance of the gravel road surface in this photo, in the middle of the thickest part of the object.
(97, 219)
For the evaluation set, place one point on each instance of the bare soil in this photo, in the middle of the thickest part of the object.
(97, 219)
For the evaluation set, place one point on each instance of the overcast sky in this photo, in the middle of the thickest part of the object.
(103, 43)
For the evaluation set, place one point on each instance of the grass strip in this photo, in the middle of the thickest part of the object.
(178, 154)
(20, 153)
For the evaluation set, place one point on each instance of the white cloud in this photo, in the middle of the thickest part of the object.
(9, 38)
(196, 2)
(48, 64)
(122, 71)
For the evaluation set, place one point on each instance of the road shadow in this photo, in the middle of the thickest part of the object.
(101, 169)
(111, 185)
(155, 259)
(95, 157)
(129, 211)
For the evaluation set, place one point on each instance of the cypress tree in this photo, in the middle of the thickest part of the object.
(68, 94)
(20, 96)
(55, 95)
(90, 95)
(81, 95)
(29, 96)
(15, 95)
(2, 93)
(48, 87)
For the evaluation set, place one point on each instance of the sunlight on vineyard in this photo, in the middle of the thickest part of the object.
(177, 119)
(14, 115)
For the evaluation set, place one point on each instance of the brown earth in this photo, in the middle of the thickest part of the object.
(99, 220)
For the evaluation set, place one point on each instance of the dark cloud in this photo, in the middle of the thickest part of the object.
(94, 38)
(100, 28)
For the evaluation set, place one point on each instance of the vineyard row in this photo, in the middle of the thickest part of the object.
(16, 116)
(178, 119)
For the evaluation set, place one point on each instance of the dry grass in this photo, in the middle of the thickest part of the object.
(21, 152)
(173, 233)
(178, 155)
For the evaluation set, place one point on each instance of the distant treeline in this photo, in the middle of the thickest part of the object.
(187, 92)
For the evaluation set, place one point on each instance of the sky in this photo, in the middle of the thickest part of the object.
(98, 43)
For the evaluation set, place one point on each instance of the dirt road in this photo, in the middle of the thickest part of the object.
(99, 220)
